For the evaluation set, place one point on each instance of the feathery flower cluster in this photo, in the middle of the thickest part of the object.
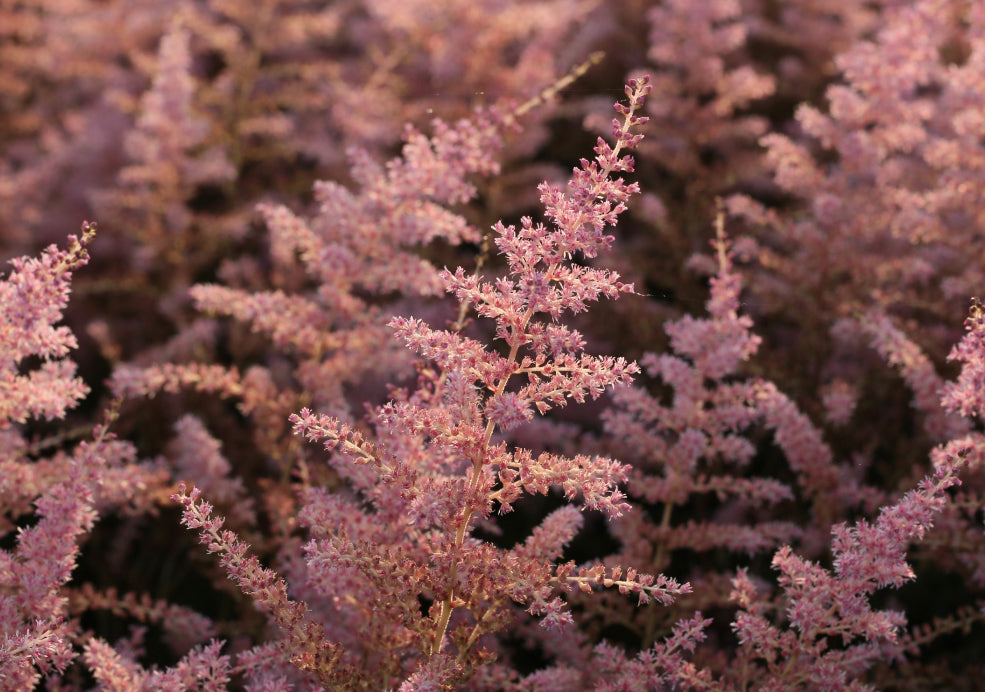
(792, 499)
(435, 469)
(708, 425)
(966, 396)
(825, 606)
(32, 299)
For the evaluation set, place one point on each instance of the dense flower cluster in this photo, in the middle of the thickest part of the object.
(359, 390)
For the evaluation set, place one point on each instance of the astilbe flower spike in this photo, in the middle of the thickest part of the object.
(824, 606)
(543, 281)
(698, 442)
(303, 637)
(432, 469)
(434, 465)
(32, 299)
(967, 395)
(36, 633)
(34, 630)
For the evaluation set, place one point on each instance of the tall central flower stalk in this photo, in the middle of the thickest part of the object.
(542, 281)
